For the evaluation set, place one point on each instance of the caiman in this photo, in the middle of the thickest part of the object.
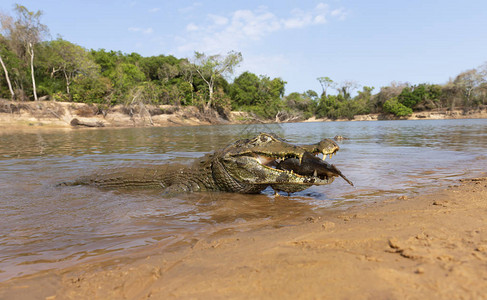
(245, 166)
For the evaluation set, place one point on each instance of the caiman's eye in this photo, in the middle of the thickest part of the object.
(265, 138)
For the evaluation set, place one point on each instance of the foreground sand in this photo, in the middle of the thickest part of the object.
(428, 247)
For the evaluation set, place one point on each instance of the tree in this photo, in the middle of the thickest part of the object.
(270, 94)
(187, 74)
(325, 82)
(7, 78)
(347, 88)
(91, 89)
(468, 82)
(126, 78)
(312, 95)
(386, 93)
(68, 59)
(106, 60)
(364, 99)
(300, 104)
(366, 93)
(29, 30)
(244, 91)
(5, 22)
(328, 106)
(396, 108)
(482, 89)
(420, 97)
(210, 68)
(24, 33)
(258, 94)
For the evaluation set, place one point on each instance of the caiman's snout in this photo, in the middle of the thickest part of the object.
(311, 165)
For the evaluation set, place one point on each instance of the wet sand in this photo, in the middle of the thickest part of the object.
(430, 247)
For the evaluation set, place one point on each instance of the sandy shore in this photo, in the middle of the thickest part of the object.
(428, 247)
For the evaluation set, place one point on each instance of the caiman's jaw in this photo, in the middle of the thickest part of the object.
(269, 160)
(281, 165)
(270, 147)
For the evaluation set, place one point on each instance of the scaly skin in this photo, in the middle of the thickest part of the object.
(246, 166)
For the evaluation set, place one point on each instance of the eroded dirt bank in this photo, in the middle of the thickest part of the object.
(63, 114)
(70, 115)
(428, 247)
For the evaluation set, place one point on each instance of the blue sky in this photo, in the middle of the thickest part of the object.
(370, 42)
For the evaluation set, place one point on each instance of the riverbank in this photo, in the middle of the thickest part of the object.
(431, 247)
(67, 114)
(71, 115)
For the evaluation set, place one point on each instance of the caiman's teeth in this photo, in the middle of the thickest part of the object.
(331, 154)
(324, 156)
(315, 174)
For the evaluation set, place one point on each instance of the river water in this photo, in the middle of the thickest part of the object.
(45, 227)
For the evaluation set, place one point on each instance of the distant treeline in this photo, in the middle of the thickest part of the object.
(34, 68)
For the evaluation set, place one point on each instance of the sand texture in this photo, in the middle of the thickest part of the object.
(428, 247)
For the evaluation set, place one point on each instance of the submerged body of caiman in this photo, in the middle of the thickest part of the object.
(246, 166)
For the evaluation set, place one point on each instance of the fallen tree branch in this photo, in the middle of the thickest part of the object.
(75, 122)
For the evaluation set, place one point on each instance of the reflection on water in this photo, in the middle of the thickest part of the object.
(43, 226)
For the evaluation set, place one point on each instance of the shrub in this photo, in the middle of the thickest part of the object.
(396, 108)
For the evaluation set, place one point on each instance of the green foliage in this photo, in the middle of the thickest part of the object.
(297, 103)
(245, 90)
(260, 95)
(311, 95)
(337, 107)
(91, 90)
(409, 97)
(413, 96)
(63, 62)
(396, 108)
(15, 69)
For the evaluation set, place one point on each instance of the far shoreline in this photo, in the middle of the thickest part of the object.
(50, 114)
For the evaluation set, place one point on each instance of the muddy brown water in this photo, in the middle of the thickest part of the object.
(46, 227)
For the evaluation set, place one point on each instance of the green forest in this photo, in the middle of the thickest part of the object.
(35, 67)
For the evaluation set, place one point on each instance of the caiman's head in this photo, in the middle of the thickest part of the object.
(251, 165)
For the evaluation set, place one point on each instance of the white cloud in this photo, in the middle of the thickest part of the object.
(297, 22)
(192, 27)
(155, 9)
(222, 33)
(322, 6)
(148, 30)
(317, 16)
(339, 13)
(227, 33)
(192, 7)
(320, 19)
(299, 19)
(250, 25)
(218, 20)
